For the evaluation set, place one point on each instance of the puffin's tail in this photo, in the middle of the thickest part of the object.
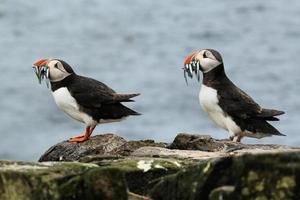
(125, 97)
(272, 112)
(271, 129)
(260, 125)
(268, 114)
(129, 111)
(115, 111)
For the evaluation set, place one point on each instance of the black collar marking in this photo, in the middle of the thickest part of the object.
(215, 76)
(63, 83)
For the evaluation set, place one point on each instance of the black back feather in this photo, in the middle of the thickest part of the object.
(95, 98)
(240, 106)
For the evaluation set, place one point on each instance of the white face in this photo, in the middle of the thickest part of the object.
(57, 71)
(207, 60)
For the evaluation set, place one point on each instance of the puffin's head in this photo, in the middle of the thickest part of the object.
(204, 60)
(52, 69)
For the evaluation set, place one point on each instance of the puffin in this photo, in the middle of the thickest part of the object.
(227, 105)
(84, 99)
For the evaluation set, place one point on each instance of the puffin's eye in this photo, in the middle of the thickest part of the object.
(56, 65)
(204, 55)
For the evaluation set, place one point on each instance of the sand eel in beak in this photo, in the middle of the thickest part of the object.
(84, 99)
(42, 71)
(227, 105)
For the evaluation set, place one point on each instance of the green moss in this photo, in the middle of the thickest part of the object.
(280, 195)
(124, 165)
(59, 181)
(257, 177)
(261, 198)
(245, 191)
(260, 186)
(133, 165)
(25, 186)
(96, 183)
(252, 176)
(286, 182)
(185, 184)
(194, 186)
(141, 173)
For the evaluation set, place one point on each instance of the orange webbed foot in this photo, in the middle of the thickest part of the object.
(84, 137)
(78, 139)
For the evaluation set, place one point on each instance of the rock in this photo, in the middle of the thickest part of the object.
(184, 155)
(59, 181)
(71, 151)
(107, 145)
(263, 176)
(128, 147)
(185, 141)
(111, 147)
(196, 142)
(74, 180)
(141, 173)
(192, 167)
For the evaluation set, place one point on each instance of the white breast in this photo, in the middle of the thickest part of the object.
(68, 104)
(209, 101)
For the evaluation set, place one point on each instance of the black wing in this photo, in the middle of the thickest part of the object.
(91, 93)
(237, 103)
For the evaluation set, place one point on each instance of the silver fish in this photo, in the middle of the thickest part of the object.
(47, 78)
(198, 69)
(42, 73)
(36, 71)
(195, 68)
(189, 69)
(184, 74)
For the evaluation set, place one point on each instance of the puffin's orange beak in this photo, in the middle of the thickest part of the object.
(189, 59)
(191, 65)
(40, 62)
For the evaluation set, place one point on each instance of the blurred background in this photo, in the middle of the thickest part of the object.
(140, 46)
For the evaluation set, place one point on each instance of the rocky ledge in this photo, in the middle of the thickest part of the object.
(191, 167)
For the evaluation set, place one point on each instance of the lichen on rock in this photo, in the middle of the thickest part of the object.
(263, 176)
(59, 181)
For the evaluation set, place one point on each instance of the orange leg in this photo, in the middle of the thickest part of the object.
(84, 137)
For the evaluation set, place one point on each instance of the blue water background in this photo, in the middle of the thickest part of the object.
(139, 46)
